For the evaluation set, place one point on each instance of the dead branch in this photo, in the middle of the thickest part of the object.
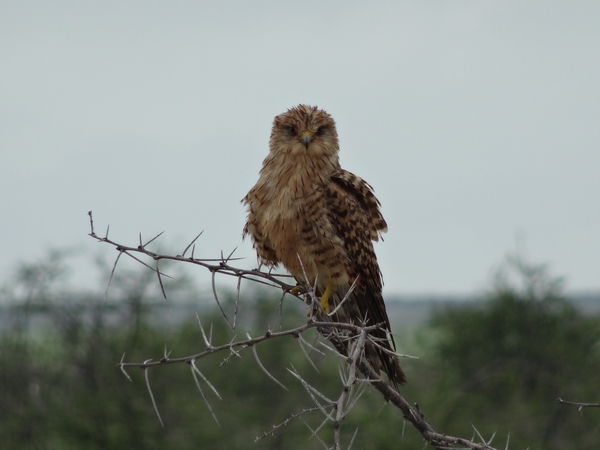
(349, 341)
(579, 405)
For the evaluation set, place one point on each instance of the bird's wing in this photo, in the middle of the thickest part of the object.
(354, 212)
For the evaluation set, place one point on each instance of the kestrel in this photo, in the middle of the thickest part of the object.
(320, 221)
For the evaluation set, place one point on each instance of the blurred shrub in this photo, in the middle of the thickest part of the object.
(499, 364)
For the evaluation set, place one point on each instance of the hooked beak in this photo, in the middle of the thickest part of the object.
(306, 138)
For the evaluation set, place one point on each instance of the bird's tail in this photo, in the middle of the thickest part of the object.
(362, 307)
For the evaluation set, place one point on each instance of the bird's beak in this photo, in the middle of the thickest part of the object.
(306, 138)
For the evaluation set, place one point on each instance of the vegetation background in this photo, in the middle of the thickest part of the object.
(496, 364)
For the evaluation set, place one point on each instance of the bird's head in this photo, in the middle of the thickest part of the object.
(304, 131)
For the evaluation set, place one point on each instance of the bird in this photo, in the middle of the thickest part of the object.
(320, 221)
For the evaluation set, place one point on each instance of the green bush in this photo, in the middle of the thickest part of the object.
(498, 364)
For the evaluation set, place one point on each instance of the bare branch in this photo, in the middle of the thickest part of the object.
(92, 233)
(191, 243)
(308, 358)
(194, 370)
(237, 301)
(214, 289)
(143, 263)
(507, 441)
(281, 310)
(152, 396)
(264, 369)
(346, 297)
(112, 273)
(226, 260)
(352, 440)
(312, 347)
(285, 422)
(348, 342)
(151, 240)
(206, 340)
(356, 352)
(312, 392)
(314, 433)
(162, 288)
(121, 365)
(579, 405)
(435, 439)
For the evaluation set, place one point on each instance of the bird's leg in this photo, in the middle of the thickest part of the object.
(324, 301)
(299, 289)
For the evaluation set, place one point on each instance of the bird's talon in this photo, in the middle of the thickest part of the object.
(324, 301)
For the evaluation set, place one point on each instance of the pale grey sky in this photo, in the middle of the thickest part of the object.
(475, 121)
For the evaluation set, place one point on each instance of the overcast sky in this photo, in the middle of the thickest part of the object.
(477, 123)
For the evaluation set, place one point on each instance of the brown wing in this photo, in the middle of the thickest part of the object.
(261, 243)
(354, 212)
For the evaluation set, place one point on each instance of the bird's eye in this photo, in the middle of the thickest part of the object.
(321, 130)
(291, 130)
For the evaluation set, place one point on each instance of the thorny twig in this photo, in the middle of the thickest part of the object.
(218, 265)
(350, 342)
(210, 349)
(152, 398)
(355, 355)
(285, 422)
(579, 405)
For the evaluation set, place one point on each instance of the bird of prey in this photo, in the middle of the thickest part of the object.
(320, 221)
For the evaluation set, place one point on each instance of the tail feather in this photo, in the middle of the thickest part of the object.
(362, 308)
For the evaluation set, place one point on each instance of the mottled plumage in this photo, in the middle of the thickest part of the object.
(320, 221)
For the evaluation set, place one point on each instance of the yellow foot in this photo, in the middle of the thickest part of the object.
(325, 298)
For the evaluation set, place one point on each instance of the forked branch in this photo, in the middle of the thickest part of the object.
(349, 341)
